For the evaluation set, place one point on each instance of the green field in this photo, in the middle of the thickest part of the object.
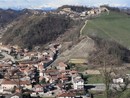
(115, 26)
(92, 79)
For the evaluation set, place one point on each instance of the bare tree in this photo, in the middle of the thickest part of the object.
(108, 55)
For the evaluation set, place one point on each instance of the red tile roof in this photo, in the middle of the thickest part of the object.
(67, 94)
(5, 81)
(61, 64)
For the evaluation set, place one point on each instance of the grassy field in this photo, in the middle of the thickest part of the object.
(115, 26)
(92, 79)
(99, 96)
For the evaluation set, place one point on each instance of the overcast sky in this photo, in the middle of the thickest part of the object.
(37, 4)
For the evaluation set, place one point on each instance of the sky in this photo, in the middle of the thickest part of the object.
(38, 4)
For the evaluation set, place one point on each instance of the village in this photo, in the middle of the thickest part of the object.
(23, 72)
(68, 12)
(27, 72)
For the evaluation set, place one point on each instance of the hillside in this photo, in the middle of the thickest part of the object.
(104, 33)
(80, 50)
(109, 52)
(115, 26)
(36, 30)
(7, 16)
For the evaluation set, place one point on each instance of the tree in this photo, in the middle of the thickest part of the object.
(108, 55)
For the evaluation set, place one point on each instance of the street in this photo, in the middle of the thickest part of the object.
(7, 56)
(101, 86)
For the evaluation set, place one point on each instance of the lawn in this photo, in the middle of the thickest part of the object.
(93, 79)
(81, 68)
(115, 26)
(99, 96)
(125, 94)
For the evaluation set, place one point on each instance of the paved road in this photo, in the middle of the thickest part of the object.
(101, 86)
(7, 56)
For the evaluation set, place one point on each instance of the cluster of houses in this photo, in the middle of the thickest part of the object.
(30, 74)
(83, 15)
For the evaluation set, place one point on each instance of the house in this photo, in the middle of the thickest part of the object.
(118, 80)
(51, 55)
(83, 14)
(5, 49)
(51, 75)
(10, 84)
(15, 96)
(67, 9)
(1, 89)
(38, 88)
(78, 82)
(62, 66)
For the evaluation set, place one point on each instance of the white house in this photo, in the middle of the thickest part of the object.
(1, 89)
(15, 96)
(78, 82)
(83, 14)
(118, 80)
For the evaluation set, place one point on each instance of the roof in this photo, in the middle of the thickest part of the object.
(15, 82)
(67, 94)
(51, 71)
(77, 79)
(4, 65)
(28, 62)
(38, 86)
(61, 64)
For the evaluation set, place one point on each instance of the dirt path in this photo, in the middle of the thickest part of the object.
(83, 28)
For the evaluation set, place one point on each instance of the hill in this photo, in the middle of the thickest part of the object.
(103, 42)
(80, 50)
(109, 52)
(115, 26)
(35, 30)
(7, 16)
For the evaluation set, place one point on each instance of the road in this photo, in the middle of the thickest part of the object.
(101, 86)
(7, 56)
